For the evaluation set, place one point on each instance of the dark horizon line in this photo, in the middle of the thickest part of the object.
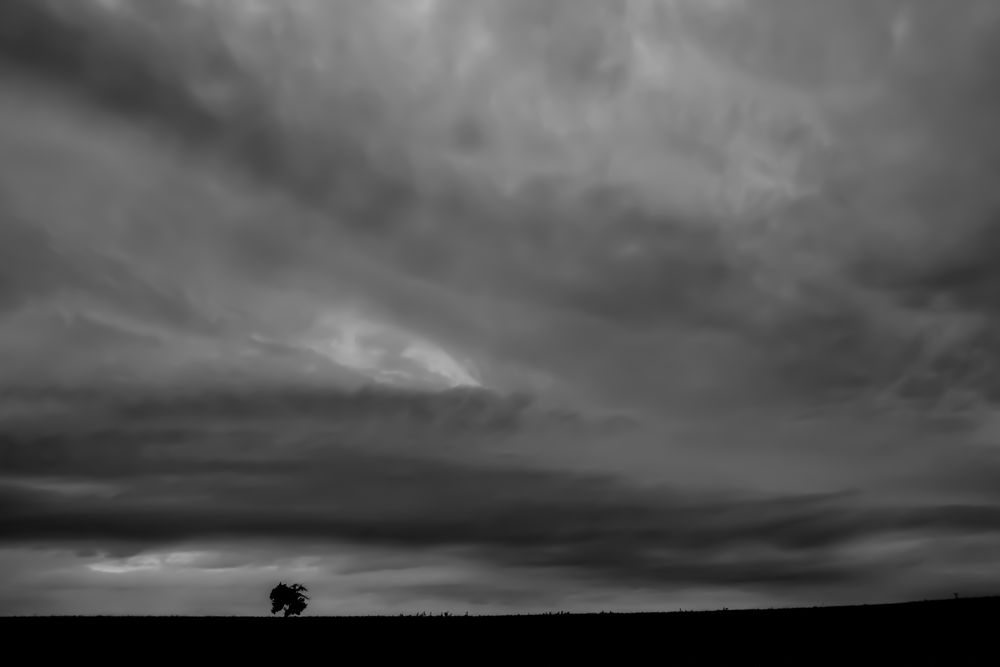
(932, 601)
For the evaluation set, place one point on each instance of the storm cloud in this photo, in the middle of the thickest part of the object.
(646, 294)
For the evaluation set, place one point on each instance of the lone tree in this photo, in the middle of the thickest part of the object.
(290, 598)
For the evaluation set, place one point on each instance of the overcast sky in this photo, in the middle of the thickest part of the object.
(497, 305)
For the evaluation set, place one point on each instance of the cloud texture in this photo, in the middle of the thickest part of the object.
(644, 295)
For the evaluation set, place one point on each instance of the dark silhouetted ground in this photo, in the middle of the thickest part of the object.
(945, 632)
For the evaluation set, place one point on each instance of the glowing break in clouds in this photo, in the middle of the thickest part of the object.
(385, 354)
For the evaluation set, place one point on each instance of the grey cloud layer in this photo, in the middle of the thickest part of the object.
(816, 298)
(127, 475)
(691, 213)
(267, 479)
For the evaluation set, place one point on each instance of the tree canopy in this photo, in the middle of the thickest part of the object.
(291, 599)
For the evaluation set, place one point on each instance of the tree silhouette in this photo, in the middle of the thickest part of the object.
(290, 598)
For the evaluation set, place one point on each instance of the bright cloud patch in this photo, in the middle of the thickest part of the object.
(148, 562)
(386, 354)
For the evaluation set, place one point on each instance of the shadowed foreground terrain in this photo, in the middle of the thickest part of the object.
(934, 632)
